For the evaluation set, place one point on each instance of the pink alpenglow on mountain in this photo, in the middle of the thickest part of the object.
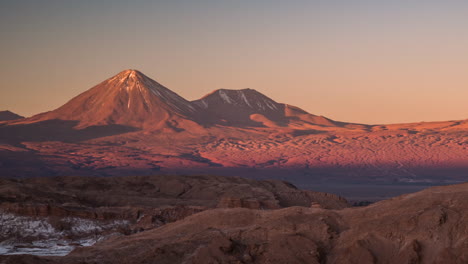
(130, 98)
(130, 124)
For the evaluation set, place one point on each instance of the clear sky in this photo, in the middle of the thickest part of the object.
(359, 61)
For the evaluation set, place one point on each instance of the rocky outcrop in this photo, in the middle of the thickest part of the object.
(426, 227)
(64, 196)
(71, 210)
(148, 201)
(231, 202)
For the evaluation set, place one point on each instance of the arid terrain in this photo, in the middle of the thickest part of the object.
(120, 174)
(132, 125)
(201, 219)
(52, 215)
(233, 132)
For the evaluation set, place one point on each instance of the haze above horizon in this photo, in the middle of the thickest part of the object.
(356, 61)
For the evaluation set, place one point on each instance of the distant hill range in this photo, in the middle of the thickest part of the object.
(131, 124)
(7, 116)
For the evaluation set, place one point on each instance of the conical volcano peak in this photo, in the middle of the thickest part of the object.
(131, 74)
(134, 80)
(129, 98)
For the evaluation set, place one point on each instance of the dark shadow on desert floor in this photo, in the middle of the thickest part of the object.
(57, 130)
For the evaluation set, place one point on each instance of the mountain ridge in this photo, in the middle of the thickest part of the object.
(128, 98)
(193, 110)
(7, 115)
(133, 99)
(146, 128)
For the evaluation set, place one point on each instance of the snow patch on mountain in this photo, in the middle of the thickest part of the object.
(242, 95)
(225, 97)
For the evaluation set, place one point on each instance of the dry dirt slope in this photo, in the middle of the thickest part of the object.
(430, 226)
(53, 215)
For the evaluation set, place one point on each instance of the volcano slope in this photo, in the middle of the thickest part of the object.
(131, 125)
(430, 226)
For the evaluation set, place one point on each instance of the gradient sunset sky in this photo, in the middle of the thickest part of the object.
(357, 61)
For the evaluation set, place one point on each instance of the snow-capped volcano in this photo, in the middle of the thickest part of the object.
(130, 124)
(235, 107)
(129, 98)
(248, 107)
(245, 98)
(132, 99)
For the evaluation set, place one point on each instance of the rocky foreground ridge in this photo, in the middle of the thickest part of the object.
(53, 215)
(430, 226)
